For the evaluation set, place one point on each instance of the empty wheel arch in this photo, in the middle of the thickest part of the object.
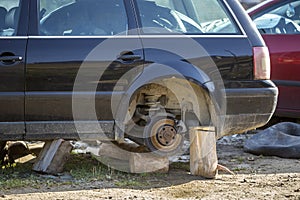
(160, 114)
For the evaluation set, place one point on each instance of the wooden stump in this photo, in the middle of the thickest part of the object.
(53, 157)
(203, 153)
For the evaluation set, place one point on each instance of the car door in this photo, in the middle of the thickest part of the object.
(280, 28)
(77, 50)
(13, 42)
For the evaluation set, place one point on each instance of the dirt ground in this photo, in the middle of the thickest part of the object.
(257, 177)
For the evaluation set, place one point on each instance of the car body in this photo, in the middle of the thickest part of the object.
(249, 3)
(283, 42)
(146, 70)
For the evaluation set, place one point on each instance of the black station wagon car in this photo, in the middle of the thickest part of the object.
(146, 70)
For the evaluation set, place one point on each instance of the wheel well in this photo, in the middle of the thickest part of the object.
(175, 96)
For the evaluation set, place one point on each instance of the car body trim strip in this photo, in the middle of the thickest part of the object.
(287, 83)
(137, 36)
(13, 37)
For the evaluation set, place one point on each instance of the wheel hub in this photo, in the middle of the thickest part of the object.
(161, 136)
(166, 135)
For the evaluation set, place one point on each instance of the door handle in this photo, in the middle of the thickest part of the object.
(127, 57)
(11, 58)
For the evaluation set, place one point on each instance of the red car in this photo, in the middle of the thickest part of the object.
(279, 23)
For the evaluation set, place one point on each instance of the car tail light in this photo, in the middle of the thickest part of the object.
(262, 65)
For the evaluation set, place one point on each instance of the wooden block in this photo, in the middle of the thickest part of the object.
(16, 150)
(148, 162)
(113, 151)
(3, 152)
(121, 151)
(26, 159)
(53, 156)
(130, 156)
(114, 163)
(36, 148)
(203, 153)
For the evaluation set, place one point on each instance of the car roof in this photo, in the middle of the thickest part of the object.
(262, 6)
(265, 6)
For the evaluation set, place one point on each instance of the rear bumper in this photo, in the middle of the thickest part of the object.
(289, 113)
(249, 108)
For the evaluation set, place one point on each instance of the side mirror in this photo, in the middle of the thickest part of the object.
(290, 12)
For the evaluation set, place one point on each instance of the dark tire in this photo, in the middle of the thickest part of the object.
(161, 137)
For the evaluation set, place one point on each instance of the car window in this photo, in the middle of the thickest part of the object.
(82, 17)
(9, 17)
(186, 16)
(281, 20)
